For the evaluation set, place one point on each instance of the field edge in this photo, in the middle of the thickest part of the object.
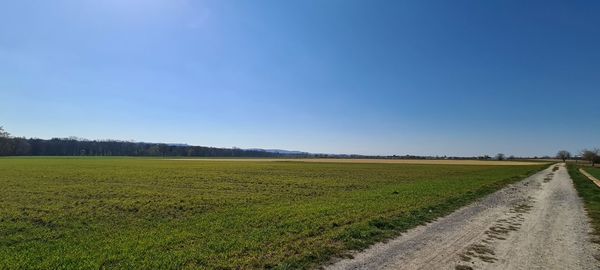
(380, 230)
(590, 194)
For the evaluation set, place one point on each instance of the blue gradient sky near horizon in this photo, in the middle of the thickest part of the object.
(367, 77)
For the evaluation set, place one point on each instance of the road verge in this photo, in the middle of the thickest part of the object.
(590, 193)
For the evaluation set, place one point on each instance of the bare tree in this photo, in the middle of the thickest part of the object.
(592, 156)
(3, 134)
(500, 156)
(563, 154)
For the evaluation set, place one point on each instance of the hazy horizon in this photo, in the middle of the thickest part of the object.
(456, 78)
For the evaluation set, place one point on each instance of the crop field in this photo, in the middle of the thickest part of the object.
(123, 213)
(386, 161)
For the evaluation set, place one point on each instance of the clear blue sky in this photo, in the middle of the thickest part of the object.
(367, 77)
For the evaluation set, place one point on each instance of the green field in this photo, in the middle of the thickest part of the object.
(66, 213)
(590, 193)
(595, 171)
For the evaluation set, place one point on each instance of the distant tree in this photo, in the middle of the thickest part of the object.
(6, 143)
(593, 156)
(500, 156)
(22, 147)
(153, 150)
(563, 154)
(511, 157)
(3, 133)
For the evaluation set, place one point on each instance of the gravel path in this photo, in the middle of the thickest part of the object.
(538, 223)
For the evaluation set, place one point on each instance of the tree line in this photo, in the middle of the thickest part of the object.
(16, 146)
(19, 146)
(590, 155)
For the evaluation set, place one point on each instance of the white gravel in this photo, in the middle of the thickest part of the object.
(538, 223)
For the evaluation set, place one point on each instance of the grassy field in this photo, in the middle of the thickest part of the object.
(142, 213)
(590, 193)
(386, 161)
(595, 171)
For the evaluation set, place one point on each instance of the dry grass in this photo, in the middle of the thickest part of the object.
(365, 160)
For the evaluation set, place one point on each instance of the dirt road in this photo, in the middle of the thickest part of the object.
(538, 223)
